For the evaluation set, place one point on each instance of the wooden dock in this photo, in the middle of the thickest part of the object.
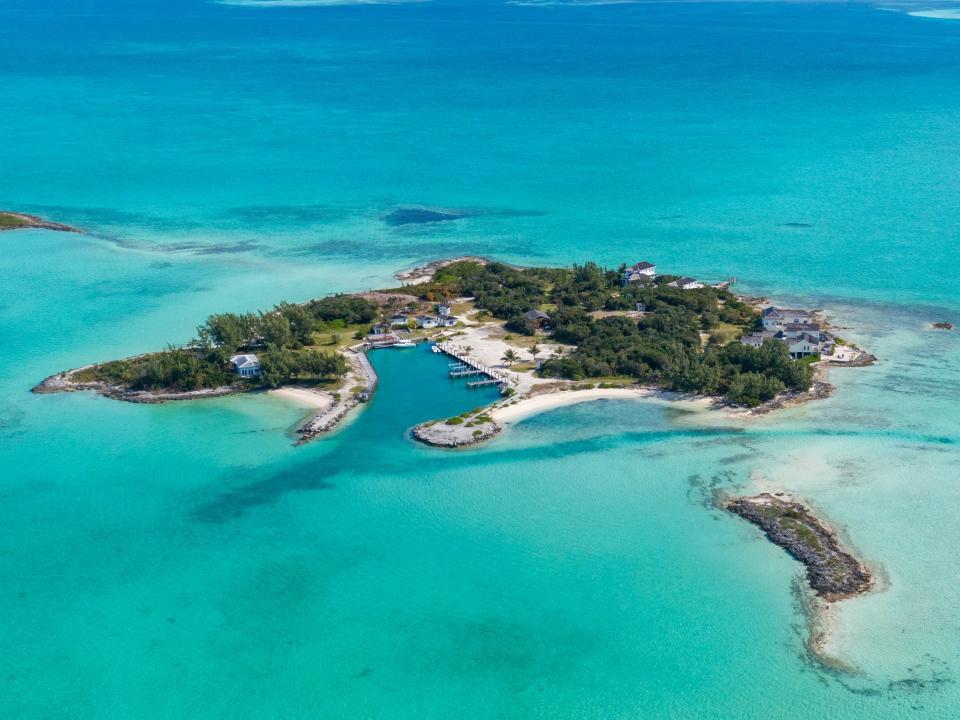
(468, 367)
(483, 383)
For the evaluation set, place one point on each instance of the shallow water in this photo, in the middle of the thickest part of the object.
(185, 559)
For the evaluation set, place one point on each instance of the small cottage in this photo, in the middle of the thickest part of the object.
(686, 283)
(427, 321)
(444, 310)
(538, 318)
(245, 366)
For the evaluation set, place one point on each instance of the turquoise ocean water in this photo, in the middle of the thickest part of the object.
(187, 561)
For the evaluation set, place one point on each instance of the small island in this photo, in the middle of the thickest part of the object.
(832, 572)
(543, 336)
(22, 221)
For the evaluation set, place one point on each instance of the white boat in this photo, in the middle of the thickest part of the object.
(404, 344)
(436, 349)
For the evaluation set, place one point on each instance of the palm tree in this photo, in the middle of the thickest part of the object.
(535, 350)
(510, 357)
(467, 349)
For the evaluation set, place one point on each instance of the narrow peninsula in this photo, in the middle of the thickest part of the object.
(543, 336)
(22, 221)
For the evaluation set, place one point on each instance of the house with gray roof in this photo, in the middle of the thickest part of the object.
(638, 273)
(246, 365)
(537, 317)
(775, 318)
(686, 283)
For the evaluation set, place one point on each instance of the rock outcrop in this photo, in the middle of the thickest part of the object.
(441, 433)
(833, 573)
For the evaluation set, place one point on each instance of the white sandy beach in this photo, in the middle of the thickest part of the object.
(305, 397)
(525, 407)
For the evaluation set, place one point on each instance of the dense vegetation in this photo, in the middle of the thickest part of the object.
(280, 337)
(664, 347)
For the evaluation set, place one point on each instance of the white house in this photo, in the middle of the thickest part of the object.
(803, 345)
(246, 365)
(399, 319)
(686, 283)
(448, 320)
(381, 329)
(444, 310)
(639, 272)
(427, 321)
(776, 318)
(798, 347)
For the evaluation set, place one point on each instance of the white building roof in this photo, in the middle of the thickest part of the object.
(246, 360)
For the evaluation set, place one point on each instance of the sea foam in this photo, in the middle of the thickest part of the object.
(939, 14)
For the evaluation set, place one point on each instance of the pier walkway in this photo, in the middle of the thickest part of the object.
(466, 366)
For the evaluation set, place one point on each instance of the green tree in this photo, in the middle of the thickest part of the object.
(302, 323)
(275, 330)
(510, 357)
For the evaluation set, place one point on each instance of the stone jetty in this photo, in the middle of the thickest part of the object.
(358, 386)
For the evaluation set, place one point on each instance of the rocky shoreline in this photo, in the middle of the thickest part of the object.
(63, 382)
(425, 273)
(832, 572)
(22, 221)
(471, 430)
(818, 391)
(361, 374)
